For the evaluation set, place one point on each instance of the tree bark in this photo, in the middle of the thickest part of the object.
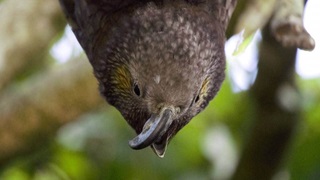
(277, 109)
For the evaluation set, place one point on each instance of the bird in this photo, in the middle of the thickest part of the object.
(158, 62)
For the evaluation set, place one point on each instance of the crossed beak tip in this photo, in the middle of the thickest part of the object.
(153, 130)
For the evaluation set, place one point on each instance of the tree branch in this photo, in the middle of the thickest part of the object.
(276, 103)
(256, 15)
(286, 21)
(287, 25)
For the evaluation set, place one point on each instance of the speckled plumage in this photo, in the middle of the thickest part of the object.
(171, 51)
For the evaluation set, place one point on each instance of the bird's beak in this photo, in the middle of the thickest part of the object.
(152, 132)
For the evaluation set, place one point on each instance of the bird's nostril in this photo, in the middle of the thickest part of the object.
(175, 109)
(179, 109)
(160, 106)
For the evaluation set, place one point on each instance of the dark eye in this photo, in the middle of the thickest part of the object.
(196, 99)
(136, 89)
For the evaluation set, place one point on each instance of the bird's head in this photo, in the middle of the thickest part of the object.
(159, 68)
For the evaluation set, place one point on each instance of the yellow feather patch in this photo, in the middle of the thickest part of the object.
(122, 78)
(204, 90)
(204, 87)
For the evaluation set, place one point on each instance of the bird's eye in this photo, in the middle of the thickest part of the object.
(136, 89)
(196, 99)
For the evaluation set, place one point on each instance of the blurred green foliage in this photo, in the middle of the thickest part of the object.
(304, 160)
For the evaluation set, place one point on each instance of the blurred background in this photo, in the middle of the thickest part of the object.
(54, 124)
